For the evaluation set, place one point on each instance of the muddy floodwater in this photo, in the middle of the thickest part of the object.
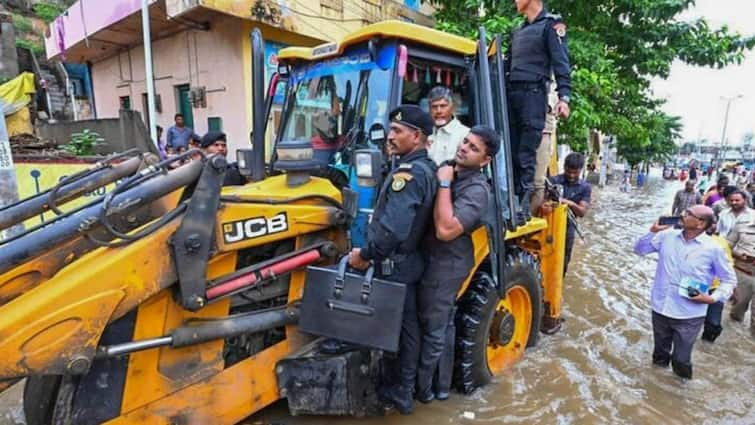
(597, 370)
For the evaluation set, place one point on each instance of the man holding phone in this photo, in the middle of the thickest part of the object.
(684, 255)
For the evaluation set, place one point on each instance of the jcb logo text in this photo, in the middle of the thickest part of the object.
(256, 227)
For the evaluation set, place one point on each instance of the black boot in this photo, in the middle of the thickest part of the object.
(682, 370)
(425, 396)
(661, 360)
(398, 397)
(711, 333)
(523, 215)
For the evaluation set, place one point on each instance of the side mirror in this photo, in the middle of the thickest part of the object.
(368, 165)
(377, 135)
(245, 159)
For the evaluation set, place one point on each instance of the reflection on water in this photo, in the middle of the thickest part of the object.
(597, 370)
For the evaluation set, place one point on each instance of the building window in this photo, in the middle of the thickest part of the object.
(125, 102)
(214, 124)
(332, 8)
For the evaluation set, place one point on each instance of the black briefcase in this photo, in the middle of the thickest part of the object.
(352, 307)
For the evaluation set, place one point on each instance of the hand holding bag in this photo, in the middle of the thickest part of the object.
(352, 307)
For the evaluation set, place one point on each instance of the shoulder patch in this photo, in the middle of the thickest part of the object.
(398, 184)
(403, 175)
(560, 28)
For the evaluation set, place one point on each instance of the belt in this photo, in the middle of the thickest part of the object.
(747, 272)
(527, 85)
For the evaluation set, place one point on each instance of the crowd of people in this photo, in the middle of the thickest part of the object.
(705, 260)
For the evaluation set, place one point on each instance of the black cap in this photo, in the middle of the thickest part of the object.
(212, 137)
(413, 116)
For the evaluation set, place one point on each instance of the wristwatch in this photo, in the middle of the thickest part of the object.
(445, 184)
(565, 99)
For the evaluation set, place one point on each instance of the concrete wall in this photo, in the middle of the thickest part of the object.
(198, 58)
(120, 134)
(8, 56)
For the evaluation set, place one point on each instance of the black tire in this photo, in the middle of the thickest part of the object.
(477, 313)
(523, 268)
(40, 395)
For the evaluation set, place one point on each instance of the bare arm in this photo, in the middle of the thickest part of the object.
(447, 227)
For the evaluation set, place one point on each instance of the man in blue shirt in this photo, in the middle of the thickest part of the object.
(178, 135)
(686, 255)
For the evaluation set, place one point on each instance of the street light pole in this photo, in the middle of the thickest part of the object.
(150, 80)
(726, 119)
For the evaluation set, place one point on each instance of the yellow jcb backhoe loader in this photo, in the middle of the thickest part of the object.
(174, 300)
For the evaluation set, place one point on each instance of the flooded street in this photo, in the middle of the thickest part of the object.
(597, 370)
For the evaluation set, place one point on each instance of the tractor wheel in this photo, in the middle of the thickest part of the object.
(492, 332)
(40, 395)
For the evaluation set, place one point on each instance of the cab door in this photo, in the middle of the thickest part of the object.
(493, 112)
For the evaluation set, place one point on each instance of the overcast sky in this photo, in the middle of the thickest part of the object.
(695, 93)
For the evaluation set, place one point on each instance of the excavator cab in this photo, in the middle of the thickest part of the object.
(173, 299)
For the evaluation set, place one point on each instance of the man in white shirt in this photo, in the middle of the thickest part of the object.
(738, 212)
(449, 131)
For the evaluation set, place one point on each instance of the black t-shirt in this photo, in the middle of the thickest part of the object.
(454, 259)
(576, 192)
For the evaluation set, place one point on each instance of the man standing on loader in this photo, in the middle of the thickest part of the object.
(537, 49)
(461, 202)
(402, 212)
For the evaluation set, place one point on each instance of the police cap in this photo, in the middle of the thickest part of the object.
(212, 137)
(413, 116)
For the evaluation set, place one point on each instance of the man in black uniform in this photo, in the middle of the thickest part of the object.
(460, 205)
(214, 142)
(537, 49)
(402, 213)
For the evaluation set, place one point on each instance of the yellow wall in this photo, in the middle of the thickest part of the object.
(33, 178)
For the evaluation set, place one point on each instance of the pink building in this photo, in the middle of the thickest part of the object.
(201, 51)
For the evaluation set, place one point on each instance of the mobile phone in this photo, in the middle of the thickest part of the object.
(669, 220)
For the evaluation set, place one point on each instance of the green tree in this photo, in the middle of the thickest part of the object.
(616, 48)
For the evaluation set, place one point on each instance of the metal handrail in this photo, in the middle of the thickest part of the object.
(38, 72)
(69, 88)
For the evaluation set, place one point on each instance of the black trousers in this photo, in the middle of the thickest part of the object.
(409, 343)
(528, 105)
(674, 339)
(435, 304)
(570, 235)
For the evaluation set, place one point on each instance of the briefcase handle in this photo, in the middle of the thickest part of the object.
(341, 278)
